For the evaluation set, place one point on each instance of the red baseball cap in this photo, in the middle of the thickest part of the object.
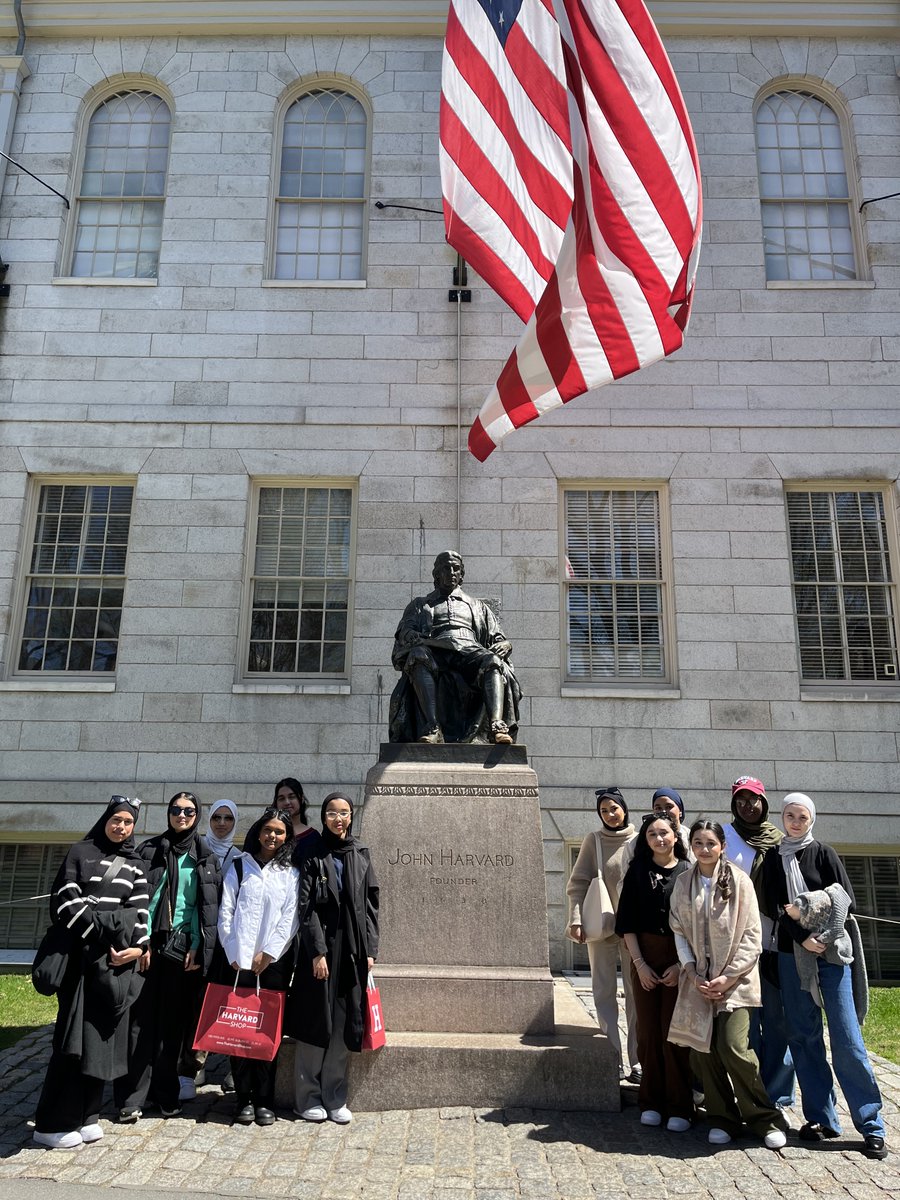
(747, 783)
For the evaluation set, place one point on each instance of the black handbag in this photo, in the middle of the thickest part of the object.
(51, 958)
(177, 945)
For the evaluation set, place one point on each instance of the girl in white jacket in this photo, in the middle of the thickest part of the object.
(257, 927)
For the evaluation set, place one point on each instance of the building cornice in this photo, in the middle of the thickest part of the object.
(119, 18)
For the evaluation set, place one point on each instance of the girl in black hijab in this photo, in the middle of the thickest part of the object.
(338, 945)
(100, 895)
(184, 880)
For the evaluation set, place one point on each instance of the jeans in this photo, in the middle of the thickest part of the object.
(848, 1053)
(769, 1039)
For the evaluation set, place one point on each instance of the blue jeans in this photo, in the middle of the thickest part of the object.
(848, 1053)
(769, 1039)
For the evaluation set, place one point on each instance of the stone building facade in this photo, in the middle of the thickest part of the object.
(241, 439)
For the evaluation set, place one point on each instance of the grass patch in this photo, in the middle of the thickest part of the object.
(22, 1008)
(882, 1028)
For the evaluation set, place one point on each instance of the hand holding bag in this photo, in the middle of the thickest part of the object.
(373, 1028)
(598, 917)
(245, 1022)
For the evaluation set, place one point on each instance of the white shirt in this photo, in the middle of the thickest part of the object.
(737, 851)
(261, 914)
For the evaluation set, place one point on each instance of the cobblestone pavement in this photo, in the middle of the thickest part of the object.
(436, 1154)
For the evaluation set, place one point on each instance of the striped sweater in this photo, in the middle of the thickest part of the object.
(77, 893)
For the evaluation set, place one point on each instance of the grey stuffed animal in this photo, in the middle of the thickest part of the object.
(826, 914)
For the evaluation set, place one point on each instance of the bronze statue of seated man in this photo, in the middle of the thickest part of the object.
(457, 683)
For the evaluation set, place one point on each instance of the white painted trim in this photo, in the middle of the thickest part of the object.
(117, 18)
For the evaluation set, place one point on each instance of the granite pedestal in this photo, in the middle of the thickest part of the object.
(470, 1006)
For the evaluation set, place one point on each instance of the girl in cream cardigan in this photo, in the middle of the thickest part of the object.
(715, 919)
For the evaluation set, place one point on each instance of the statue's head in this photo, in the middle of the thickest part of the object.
(448, 566)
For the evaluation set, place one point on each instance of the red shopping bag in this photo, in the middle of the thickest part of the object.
(245, 1022)
(373, 1031)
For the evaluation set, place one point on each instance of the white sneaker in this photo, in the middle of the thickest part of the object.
(678, 1124)
(187, 1089)
(651, 1117)
(91, 1133)
(340, 1116)
(775, 1139)
(719, 1137)
(316, 1113)
(58, 1141)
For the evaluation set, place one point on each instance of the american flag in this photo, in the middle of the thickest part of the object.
(619, 295)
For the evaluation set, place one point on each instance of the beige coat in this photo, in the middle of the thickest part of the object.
(612, 846)
(730, 941)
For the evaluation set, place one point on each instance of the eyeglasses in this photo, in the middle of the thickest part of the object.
(135, 803)
(223, 816)
(338, 816)
(176, 810)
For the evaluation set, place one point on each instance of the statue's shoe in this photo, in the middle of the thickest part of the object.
(434, 736)
(500, 734)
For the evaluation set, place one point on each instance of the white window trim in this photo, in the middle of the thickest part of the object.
(848, 689)
(89, 105)
(55, 681)
(315, 83)
(835, 101)
(294, 684)
(623, 689)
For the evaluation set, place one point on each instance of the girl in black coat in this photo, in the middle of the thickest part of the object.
(100, 895)
(338, 946)
(184, 880)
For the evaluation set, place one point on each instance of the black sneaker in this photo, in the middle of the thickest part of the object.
(874, 1147)
(245, 1114)
(812, 1132)
(128, 1116)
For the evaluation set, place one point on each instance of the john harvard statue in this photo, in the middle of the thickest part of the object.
(457, 683)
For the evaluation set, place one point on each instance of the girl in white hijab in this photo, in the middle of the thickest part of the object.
(220, 829)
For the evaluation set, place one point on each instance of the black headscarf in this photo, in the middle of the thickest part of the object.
(334, 844)
(614, 794)
(96, 835)
(175, 845)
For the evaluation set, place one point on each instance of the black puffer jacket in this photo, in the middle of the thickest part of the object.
(209, 881)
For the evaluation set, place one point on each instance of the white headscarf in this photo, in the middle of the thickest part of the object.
(222, 848)
(790, 847)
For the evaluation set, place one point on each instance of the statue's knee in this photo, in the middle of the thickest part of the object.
(418, 659)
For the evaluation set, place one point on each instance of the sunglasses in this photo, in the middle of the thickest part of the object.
(175, 810)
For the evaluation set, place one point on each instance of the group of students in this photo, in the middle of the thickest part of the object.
(733, 941)
(149, 925)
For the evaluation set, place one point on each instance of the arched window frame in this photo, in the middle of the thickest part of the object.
(92, 102)
(297, 92)
(836, 103)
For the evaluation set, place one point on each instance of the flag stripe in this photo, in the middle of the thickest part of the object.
(619, 297)
(506, 164)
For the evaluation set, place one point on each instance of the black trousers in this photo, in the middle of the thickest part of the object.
(69, 1100)
(159, 1020)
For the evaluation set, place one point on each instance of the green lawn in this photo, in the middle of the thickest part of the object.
(882, 1028)
(21, 1008)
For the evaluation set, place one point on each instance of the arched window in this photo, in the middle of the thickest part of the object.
(123, 185)
(320, 202)
(806, 201)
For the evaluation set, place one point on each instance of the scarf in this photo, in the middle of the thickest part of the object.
(174, 846)
(96, 835)
(790, 847)
(762, 836)
(223, 848)
(724, 936)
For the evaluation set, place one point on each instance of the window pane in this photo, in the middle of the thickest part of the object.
(75, 590)
(842, 595)
(799, 157)
(122, 187)
(323, 158)
(301, 587)
(614, 585)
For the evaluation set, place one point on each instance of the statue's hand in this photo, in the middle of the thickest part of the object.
(409, 638)
(502, 649)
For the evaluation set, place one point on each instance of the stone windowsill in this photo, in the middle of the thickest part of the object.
(791, 285)
(304, 687)
(593, 692)
(96, 281)
(313, 283)
(57, 685)
(889, 694)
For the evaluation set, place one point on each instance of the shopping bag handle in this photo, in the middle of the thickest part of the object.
(238, 975)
